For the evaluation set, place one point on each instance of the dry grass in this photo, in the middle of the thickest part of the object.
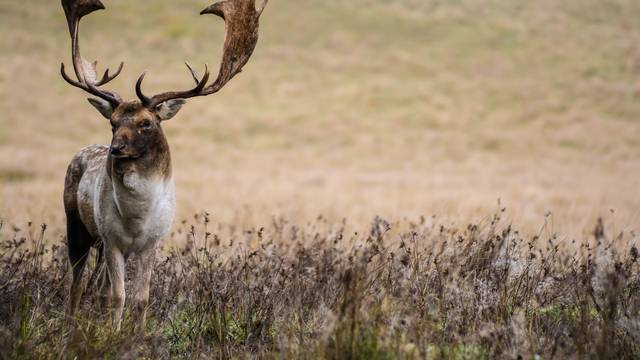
(317, 291)
(350, 109)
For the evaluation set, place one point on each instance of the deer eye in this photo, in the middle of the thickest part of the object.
(146, 125)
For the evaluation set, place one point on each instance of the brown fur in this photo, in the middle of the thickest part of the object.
(149, 148)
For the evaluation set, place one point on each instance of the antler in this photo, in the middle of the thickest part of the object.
(241, 28)
(85, 71)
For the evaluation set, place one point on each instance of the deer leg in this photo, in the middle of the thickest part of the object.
(104, 291)
(142, 280)
(79, 244)
(98, 268)
(101, 273)
(115, 269)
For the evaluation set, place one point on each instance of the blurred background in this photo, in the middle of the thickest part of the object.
(349, 109)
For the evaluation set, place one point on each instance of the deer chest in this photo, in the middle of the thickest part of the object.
(140, 213)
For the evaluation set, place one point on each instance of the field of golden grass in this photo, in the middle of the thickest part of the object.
(350, 109)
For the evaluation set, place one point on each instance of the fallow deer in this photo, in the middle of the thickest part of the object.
(120, 198)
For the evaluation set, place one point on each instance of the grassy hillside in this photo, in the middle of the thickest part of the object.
(349, 109)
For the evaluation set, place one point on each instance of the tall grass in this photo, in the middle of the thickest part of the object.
(317, 291)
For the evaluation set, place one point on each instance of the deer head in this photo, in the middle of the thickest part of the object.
(136, 124)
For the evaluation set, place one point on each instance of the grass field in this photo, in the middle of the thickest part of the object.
(447, 110)
(350, 109)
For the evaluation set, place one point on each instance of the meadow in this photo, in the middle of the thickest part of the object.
(457, 122)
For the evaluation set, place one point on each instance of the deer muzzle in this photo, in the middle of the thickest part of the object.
(118, 148)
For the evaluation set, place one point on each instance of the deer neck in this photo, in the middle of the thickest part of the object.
(140, 183)
(140, 194)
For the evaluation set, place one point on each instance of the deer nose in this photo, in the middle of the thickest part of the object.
(117, 148)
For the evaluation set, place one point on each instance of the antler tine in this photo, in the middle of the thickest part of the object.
(241, 36)
(106, 78)
(143, 99)
(158, 99)
(111, 97)
(146, 101)
(85, 71)
(194, 75)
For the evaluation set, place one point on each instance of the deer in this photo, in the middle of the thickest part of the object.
(120, 198)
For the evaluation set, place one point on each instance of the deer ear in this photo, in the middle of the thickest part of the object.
(103, 106)
(169, 108)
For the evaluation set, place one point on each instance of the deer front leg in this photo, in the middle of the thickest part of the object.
(115, 269)
(104, 291)
(79, 244)
(142, 279)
